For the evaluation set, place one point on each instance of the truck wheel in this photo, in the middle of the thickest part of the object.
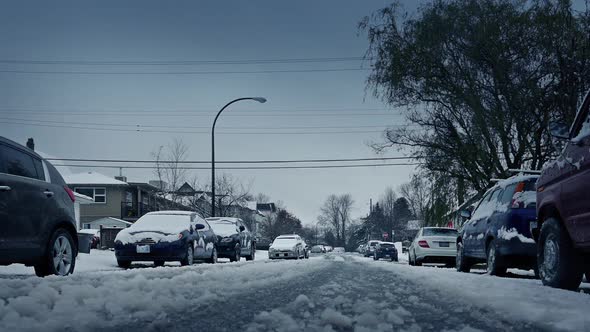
(60, 255)
(494, 267)
(560, 265)
(159, 263)
(462, 262)
(190, 256)
(252, 254)
(236, 257)
(124, 264)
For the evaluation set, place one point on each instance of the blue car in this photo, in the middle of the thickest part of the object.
(166, 236)
(498, 231)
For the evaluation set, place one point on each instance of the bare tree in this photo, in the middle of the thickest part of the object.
(345, 206)
(175, 174)
(417, 192)
(159, 170)
(388, 205)
(231, 192)
(335, 213)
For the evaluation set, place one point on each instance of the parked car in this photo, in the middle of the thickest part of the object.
(164, 236)
(95, 237)
(234, 240)
(329, 248)
(339, 250)
(406, 245)
(433, 245)
(563, 208)
(307, 248)
(318, 249)
(287, 246)
(360, 248)
(385, 250)
(37, 222)
(498, 231)
(370, 249)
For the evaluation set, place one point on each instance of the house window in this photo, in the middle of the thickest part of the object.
(98, 194)
(86, 226)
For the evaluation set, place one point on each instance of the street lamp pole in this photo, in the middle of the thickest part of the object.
(258, 99)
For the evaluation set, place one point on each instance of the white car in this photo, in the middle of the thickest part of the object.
(434, 245)
(370, 248)
(339, 250)
(287, 246)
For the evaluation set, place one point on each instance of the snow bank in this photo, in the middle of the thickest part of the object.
(516, 299)
(509, 234)
(102, 300)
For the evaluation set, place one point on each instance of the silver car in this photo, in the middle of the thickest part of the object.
(287, 246)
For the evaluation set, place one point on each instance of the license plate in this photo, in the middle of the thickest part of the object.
(143, 249)
(443, 244)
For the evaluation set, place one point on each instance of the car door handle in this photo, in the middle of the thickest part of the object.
(48, 193)
(5, 188)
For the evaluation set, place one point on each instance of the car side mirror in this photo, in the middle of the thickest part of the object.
(559, 130)
(199, 226)
(465, 214)
(242, 228)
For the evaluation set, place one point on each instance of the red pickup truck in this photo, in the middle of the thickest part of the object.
(562, 229)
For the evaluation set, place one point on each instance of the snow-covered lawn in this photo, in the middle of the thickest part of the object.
(104, 299)
(517, 299)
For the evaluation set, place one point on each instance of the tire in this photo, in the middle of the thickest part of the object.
(252, 255)
(462, 263)
(560, 265)
(60, 255)
(236, 257)
(124, 264)
(417, 262)
(213, 259)
(375, 258)
(159, 263)
(410, 261)
(190, 256)
(494, 265)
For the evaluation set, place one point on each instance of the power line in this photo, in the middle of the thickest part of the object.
(235, 114)
(179, 62)
(269, 71)
(251, 167)
(288, 161)
(183, 111)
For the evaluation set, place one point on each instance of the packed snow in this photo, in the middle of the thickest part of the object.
(509, 234)
(160, 227)
(92, 178)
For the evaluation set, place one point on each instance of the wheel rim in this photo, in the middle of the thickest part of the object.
(459, 254)
(237, 255)
(550, 256)
(62, 255)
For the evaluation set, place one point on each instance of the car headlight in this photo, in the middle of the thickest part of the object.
(227, 239)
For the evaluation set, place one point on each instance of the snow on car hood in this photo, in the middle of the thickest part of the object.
(223, 228)
(126, 236)
(159, 227)
(284, 244)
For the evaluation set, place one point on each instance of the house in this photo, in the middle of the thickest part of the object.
(106, 222)
(80, 200)
(117, 198)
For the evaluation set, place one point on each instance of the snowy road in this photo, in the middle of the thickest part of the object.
(324, 293)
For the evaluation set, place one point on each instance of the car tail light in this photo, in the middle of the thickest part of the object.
(70, 193)
(423, 244)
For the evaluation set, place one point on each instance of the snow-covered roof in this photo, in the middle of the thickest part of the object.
(172, 212)
(228, 219)
(114, 219)
(92, 178)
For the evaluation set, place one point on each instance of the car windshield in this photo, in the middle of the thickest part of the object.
(285, 241)
(165, 223)
(223, 228)
(439, 232)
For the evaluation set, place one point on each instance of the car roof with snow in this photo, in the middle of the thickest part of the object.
(172, 212)
(514, 179)
(226, 219)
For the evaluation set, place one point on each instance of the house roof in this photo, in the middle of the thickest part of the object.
(92, 178)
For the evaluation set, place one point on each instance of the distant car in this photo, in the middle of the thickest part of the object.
(433, 245)
(287, 246)
(162, 237)
(498, 231)
(339, 250)
(385, 250)
(329, 248)
(37, 223)
(406, 245)
(370, 248)
(562, 231)
(95, 237)
(318, 249)
(234, 240)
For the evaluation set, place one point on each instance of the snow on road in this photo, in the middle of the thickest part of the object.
(517, 299)
(102, 300)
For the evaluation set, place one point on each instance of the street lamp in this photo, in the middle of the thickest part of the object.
(258, 99)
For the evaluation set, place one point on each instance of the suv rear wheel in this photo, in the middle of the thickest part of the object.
(462, 263)
(559, 262)
(494, 267)
(60, 255)
(190, 256)
(252, 254)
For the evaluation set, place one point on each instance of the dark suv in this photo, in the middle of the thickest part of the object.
(37, 223)
(563, 207)
(498, 231)
(234, 240)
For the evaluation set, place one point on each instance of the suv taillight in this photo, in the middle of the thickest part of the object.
(70, 193)
(423, 244)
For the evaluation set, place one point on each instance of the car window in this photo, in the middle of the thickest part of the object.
(19, 163)
(440, 232)
(495, 195)
(507, 194)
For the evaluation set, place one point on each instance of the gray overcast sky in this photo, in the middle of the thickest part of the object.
(191, 30)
